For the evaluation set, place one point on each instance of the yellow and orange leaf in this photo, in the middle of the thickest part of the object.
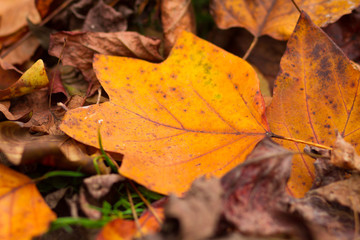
(316, 93)
(121, 229)
(276, 18)
(34, 78)
(24, 213)
(199, 112)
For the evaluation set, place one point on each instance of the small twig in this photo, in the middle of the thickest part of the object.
(138, 226)
(151, 209)
(252, 45)
(29, 34)
(297, 7)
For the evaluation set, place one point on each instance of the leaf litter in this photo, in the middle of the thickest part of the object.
(253, 200)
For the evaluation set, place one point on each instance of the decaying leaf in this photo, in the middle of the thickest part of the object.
(96, 191)
(255, 192)
(344, 155)
(200, 110)
(346, 34)
(80, 48)
(24, 213)
(201, 208)
(34, 78)
(176, 16)
(331, 209)
(276, 18)
(20, 147)
(315, 93)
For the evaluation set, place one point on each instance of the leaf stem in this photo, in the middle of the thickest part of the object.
(300, 141)
(252, 45)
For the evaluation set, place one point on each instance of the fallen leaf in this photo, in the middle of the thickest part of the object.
(199, 112)
(331, 209)
(20, 147)
(255, 191)
(23, 52)
(80, 48)
(276, 18)
(104, 18)
(8, 76)
(201, 208)
(58, 92)
(121, 229)
(34, 78)
(13, 15)
(344, 155)
(96, 190)
(326, 173)
(315, 94)
(22, 116)
(346, 34)
(24, 213)
(176, 16)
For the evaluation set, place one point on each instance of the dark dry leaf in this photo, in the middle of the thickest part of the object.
(103, 18)
(197, 214)
(96, 190)
(329, 209)
(346, 34)
(255, 192)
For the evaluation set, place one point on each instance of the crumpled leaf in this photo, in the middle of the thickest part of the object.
(20, 147)
(96, 190)
(315, 93)
(34, 78)
(344, 155)
(80, 48)
(200, 110)
(176, 16)
(255, 191)
(201, 208)
(13, 15)
(24, 213)
(329, 209)
(121, 229)
(23, 115)
(276, 18)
